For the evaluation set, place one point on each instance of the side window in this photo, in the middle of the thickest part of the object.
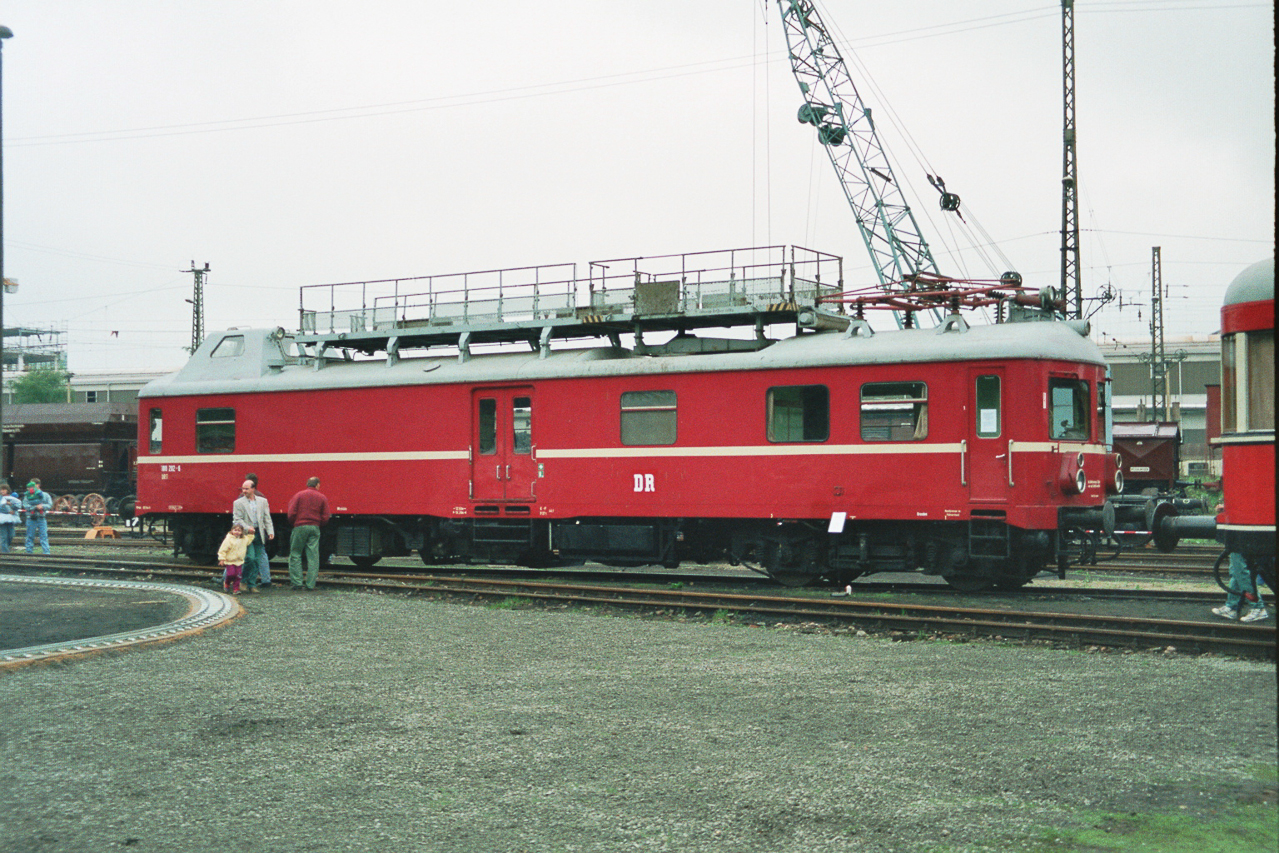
(229, 347)
(1229, 421)
(648, 417)
(894, 411)
(1261, 379)
(156, 429)
(799, 413)
(522, 425)
(215, 430)
(989, 407)
(1069, 409)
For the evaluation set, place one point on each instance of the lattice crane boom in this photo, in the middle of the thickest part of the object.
(847, 132)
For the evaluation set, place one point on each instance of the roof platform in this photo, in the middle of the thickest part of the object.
(758, 286)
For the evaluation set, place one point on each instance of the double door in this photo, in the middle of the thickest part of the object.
(502, 466)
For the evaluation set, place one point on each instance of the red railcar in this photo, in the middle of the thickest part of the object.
(966, 452)
(1247, 523)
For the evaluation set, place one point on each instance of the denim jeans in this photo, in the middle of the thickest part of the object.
(1241, 581)
(252, 564)
(37, 524)
(6, 537)
(264, 565)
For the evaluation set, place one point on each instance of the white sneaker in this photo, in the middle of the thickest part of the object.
(1226, 612)
(1256, 614)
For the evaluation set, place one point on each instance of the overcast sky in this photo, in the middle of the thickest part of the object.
(295, 142)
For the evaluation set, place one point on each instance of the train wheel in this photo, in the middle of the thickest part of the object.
(65, 503)
(95, 506)
(791, 562)
(364, 562)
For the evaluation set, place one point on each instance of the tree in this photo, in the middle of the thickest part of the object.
(40, 386)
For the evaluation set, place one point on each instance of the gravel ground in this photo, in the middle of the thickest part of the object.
(355, 722)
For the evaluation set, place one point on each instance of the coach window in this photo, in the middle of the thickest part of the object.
(488, 426)
(522, 425)
(799, 413)
(1069, 409)
(215, 430)
(1248, 381)
(894, 411)
(156, 429)
(990, 415)
(229, 347)
(1261, 379)
(648, 417)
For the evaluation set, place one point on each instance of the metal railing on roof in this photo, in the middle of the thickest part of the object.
(711, 285)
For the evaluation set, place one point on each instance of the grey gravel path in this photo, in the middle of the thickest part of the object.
(355, 722)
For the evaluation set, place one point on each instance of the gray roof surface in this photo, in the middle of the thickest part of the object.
(263, 369)
(1255, 284)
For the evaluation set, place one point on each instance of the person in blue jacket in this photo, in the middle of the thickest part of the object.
(10, 514)
(35, 503)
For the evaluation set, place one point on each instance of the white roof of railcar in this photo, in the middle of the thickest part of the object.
(262, 368)
(1255, 284)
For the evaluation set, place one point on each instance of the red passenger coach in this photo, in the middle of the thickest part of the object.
(1247, 524)
(969, 452)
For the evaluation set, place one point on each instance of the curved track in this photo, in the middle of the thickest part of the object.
(205, 609)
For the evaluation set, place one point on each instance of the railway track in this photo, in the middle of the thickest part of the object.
(861, 610)
(732, 578)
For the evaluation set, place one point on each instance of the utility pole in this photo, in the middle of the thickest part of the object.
(1158, 363)
(1071, 289)
(197, 306)
(5, 33)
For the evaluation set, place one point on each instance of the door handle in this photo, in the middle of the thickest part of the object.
(498, 474)
(508, 472)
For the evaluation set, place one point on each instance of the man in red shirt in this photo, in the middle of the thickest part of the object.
(308, 512)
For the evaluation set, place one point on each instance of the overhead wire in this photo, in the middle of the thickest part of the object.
(568, 86)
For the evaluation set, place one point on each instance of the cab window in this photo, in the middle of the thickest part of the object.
(1069, 409)
(231, 346)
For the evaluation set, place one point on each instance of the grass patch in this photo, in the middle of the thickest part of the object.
(1236, 829)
